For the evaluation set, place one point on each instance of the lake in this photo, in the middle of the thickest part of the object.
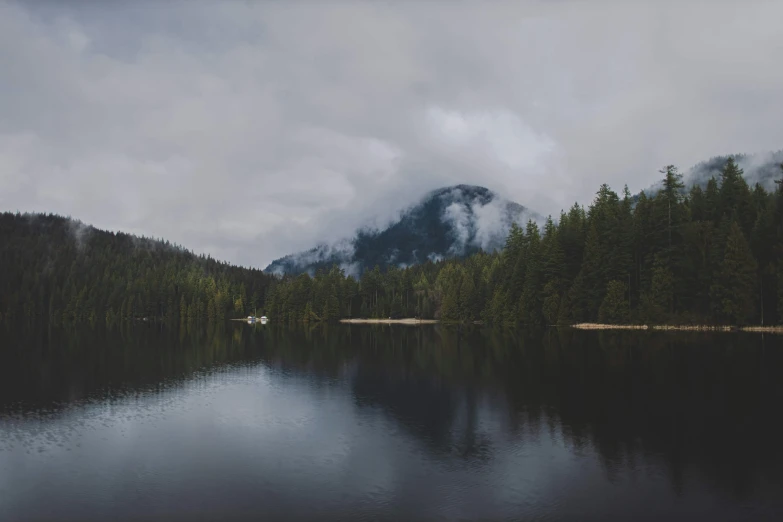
(251, 422)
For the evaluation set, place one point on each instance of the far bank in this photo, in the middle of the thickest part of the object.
(390, 321)
(680, 328)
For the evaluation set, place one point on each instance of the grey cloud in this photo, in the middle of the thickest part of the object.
(251, 130)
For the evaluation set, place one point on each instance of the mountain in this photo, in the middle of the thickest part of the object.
(449, 222)
(762, 168)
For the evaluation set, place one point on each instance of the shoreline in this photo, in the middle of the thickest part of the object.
(679, 328)
(389, 321)
(587, 326)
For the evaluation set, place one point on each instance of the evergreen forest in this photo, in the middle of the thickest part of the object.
(709, 254)
(61, 271)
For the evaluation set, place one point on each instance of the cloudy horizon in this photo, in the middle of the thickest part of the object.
(250, 130)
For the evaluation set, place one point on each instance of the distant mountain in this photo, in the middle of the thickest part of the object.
(449, 222)
(763, 168)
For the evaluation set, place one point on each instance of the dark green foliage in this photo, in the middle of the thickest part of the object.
(734, 289)
(780, 289)
(551, 304)
(530, 304)
(708, 256)
(615, 308)
(591, 292)
(735, 198)
(658, 301)
(60, 271)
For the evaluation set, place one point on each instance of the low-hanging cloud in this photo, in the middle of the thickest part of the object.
(482, 222)
(252, 130)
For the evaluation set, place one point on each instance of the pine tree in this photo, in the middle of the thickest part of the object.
(657, 301)
(735, 201)
(699, 267)
(643, 249)
(530, 301)
(421, 289)
(211, 313)
(763, 242)
(467, 298)
(564, 313)
(591, 292)
(551, 303)
(614, 309)
(498, 308)
(734, 290)
(449, 310)
(331, 311)
(553, 263)
(571, 235)
(780, 292)
(577, 301)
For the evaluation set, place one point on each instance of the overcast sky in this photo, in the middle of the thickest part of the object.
(252, 129)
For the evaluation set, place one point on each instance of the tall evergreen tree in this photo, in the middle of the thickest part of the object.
(733, 292)
(530, 301)
(589, 290)
(735, 201)
(658, 300)
(615, 308)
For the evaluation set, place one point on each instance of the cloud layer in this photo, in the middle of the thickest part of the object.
(253, 129)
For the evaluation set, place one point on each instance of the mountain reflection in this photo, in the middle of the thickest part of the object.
(702, 405)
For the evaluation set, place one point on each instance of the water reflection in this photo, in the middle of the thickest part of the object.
(703, 403)
(514, 415)
(55, 367)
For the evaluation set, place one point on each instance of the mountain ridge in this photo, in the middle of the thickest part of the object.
(452, 221)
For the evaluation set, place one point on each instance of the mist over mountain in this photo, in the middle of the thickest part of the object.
(459, 220)
(762, 168)
(449, 222)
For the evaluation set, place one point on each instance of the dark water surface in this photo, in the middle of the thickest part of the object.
(388, 423)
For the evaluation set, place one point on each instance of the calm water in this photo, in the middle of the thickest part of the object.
(389, 423)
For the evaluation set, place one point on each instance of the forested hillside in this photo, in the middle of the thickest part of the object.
(58, 270)
(712, 256)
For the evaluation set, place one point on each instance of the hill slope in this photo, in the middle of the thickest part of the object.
(63, 271)
(449, 222)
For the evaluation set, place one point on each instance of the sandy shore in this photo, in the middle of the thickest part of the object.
(599, 326)
(763, 329)
(389, 321)
(679, 328)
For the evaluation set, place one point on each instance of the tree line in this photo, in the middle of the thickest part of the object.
(707, 255)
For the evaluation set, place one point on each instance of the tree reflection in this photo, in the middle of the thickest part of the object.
(704, 405)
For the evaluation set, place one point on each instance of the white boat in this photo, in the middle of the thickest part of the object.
(264, 319)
